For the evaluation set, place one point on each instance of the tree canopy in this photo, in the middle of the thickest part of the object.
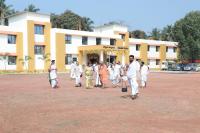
(186, 31)
(138, 34)
(71, 20)
(31, 8)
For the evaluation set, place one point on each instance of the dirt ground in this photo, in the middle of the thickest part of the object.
(170, 104)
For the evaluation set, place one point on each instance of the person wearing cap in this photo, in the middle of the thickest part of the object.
(53, 75)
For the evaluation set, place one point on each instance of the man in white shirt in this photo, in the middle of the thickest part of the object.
(97, 78)
(53, 75)
(117, 71)
(72, 71)
(132, 76)
(144, 72)
(78, 74)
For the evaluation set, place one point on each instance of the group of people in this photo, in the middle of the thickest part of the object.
(102, 73)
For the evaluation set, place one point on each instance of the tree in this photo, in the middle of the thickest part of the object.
(5, 10)
(166, 33)
(186, 31)
(87, 24)
(155, 34)
(31, 8)
(138, 34)
(71, 20)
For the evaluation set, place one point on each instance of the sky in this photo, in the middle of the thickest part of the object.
(136, 14)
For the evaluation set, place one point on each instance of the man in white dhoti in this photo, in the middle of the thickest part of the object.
(111, 74)
(72, 72)
(53, 75)
(78, 74)
(132, 77)
(144, 72)
(97, 78)
(117, 72)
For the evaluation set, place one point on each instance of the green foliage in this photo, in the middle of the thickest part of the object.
(5, 10)
(138, 34)
(31, 8)
(187, 32)
(70, 20)
(155, 34)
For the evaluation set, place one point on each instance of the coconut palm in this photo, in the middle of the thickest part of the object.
(31, 8)
(5, 10)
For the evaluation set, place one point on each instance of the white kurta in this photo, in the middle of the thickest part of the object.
(117, 70)
(132, 77)
(144, 72)
(78, 71)
(96, 69)
(53, 75)
(72, 70)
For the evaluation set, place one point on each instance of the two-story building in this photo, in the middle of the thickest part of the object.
(29, 42)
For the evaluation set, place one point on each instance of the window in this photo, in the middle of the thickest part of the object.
(98, 41)
(167, 49)
(68, 39)
(68, 59)
(148, 47)
(122, 36)
(11, 39)
(157, 62)
(39, 29)
(12, 60)
(137, 47)
(74, 59)
(39, 50)
(157, 48)
(112, 42)
(174, 49)
(84, 40)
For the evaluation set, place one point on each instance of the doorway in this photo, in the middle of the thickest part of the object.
(93, 58)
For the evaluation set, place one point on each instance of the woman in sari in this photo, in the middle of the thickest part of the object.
(89, 76)
(103, 73)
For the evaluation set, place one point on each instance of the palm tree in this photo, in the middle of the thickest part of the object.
(32, 8)
(87, 24)
(155, 34)
(4, 11)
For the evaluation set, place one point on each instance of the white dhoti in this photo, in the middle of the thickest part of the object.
(78, 80)
(97, 80)
(143, 80)
(72, 74)
(134, 86)
(53, 83)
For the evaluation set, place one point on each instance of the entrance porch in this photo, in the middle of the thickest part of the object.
(102, 53)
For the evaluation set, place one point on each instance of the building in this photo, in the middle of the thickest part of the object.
(28, 43)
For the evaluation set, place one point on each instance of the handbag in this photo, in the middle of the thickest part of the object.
(124, 88)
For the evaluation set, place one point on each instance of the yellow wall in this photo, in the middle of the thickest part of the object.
(119, 42)
(162, 53)
(143, 52)
(19, 47)
(60, 52)
(80, 57)
(47, 44)
(30, 31)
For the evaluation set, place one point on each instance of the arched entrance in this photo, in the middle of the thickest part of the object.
(93, 58)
